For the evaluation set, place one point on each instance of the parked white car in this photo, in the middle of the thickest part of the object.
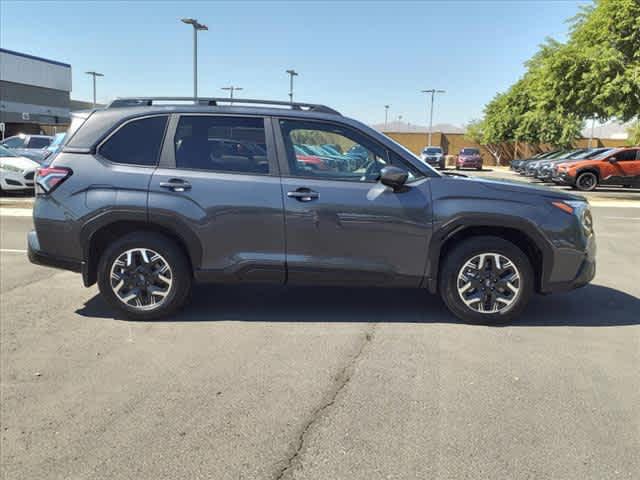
(16, 172)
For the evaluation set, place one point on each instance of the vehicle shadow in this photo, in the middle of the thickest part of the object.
(591, 306)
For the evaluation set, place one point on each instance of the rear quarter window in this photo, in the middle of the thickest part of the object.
(137, 142)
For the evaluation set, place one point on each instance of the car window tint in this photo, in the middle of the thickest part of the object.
(352, 155)
(137, 142)
(38, 142)
(222, 144)
(626, 155)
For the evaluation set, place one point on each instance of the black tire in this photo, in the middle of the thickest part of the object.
(479, 168)
(457, 167)
(466, 250)
(175, 257)
(587, 181)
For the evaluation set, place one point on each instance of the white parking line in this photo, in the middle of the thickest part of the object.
(11, 250)
(15, 212)
(614, 203)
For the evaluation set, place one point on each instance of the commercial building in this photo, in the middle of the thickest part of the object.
(34, 93)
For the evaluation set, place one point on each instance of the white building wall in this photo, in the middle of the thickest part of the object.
(31, 71)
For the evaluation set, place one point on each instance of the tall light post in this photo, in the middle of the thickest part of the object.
(196, 26)
(386, 116)
(433, 92)
(593, 125)
(231, 89)
(292, 73)
(94, 75)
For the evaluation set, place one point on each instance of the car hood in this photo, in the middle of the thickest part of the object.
(519, 187)
(19, 162)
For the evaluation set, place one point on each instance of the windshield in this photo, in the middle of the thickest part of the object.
(598, 152)
(5, 152)
(432, 151)
(469, 151)
(14, 142)
(604, 154)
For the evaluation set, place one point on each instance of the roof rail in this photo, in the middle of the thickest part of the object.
(216, 101)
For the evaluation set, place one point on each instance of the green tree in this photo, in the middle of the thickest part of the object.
(634, 134)
(597, 72)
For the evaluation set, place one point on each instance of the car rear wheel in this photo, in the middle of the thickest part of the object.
(486, 280)
(144, 276)
(587, 181)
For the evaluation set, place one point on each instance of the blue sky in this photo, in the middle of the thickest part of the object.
(355, 56)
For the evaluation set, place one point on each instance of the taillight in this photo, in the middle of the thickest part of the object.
(49, 178)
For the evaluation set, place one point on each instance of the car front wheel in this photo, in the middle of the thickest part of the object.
(144, 276)
(587, 181)
(486, 280)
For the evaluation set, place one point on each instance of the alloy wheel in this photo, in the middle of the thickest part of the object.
(587, 181)
(489, 283)
(141, 278)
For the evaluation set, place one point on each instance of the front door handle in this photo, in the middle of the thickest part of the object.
(303, 194)
(176, 185)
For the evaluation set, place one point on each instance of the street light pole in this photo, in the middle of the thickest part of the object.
(94, 75)
(232, 89)
(386, 116)
(433, 92)
(196, 26)
(292, 73)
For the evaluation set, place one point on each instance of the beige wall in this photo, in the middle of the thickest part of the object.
(451, 143)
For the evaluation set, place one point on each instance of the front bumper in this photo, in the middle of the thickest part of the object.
(38, 257)
(581, 264)
(17, 180)
(434, 161)
(469, 164)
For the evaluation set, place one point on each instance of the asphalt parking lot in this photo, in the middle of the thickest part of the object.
(269, 383)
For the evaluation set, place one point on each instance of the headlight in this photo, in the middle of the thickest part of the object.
(10, 168)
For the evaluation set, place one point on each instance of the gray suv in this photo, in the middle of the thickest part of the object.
(148, 196)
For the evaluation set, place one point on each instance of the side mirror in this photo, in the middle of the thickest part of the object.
(393, 177)
(613, 160)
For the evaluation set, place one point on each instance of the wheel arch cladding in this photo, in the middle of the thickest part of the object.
(519, 232)
(99, 238)
(594, 170)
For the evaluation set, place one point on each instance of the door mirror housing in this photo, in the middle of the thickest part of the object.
(393, 177)
(613, 160)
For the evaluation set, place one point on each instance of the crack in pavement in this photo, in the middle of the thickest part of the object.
(341, 380)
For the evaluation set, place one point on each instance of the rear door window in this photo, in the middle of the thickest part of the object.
(221, 144)
(137, 142)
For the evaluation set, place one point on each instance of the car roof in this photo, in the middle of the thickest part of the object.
(100, 121)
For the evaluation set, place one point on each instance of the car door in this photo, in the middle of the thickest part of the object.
(343, 227)
(218, 184)
(624, 170)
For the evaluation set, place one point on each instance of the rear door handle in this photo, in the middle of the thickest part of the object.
(303, 195)
(176, 185)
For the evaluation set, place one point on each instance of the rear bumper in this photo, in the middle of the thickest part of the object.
(39, 257)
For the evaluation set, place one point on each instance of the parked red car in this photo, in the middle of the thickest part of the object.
(469, 158)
